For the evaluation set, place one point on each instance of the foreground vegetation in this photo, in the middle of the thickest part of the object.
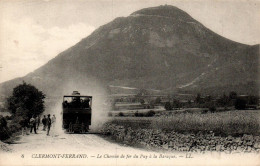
(233, 123)
(222, 131)
(25, 101)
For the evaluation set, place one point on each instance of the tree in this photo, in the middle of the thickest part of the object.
(198, 98)
(168, 106)
(26, 100)
(142, 101)
(150, 113)
(142, 92)
(141, 95)
(223, 100)
(211, 106)
(240, 104)
(208, 98)
(232, 95)
(253, 100)
(157, 100)
(176, 103)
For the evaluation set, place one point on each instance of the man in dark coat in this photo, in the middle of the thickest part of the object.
(33, 124)
(25, 124)
(44, 122)
(48, 124)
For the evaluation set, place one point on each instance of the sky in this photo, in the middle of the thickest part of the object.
(32, 32)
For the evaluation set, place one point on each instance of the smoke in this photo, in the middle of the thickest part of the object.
(100, 104)
(57, 111)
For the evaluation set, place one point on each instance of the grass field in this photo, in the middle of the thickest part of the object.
(235, 122)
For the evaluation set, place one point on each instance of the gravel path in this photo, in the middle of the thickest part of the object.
(90, 149)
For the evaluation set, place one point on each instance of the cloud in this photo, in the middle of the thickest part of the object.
(26, 45)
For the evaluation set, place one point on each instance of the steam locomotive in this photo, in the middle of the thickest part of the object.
(76, 112)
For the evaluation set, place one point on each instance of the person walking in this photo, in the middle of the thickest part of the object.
(53, 120)
(33, 124)
(38, 121)
(25, 123)
(44, 122)
(48, 124)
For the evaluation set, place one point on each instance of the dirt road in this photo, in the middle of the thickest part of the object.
(90, 149)
(60, 147)
(62, 142)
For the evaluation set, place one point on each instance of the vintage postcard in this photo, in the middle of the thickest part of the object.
(129, 82)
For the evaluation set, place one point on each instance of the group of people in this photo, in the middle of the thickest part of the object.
(77, 102)
(34, 123)
(48, 122)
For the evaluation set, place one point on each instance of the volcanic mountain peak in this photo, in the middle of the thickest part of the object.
(159, 48)
(167, 11)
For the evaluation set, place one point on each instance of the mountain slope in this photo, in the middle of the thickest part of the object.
(159, 48)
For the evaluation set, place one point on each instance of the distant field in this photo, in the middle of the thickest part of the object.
(235, 122)
(130, 112)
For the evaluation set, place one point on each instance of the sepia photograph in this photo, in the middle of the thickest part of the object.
(129, 82)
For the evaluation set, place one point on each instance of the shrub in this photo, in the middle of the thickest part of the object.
(204, 111)
(4, 132)
(121, 114)
(222, 109)
(137, 114)
(212, 109)
(150, 113)
(110, 114)
(3, 122)
(176, 104)
(7, 129)
(157, 100)
(168, 106)
(184, 112)
(142, 101)
(14, 127)
(240, 104)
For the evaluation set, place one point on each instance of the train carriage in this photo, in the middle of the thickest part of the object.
(76, 113)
